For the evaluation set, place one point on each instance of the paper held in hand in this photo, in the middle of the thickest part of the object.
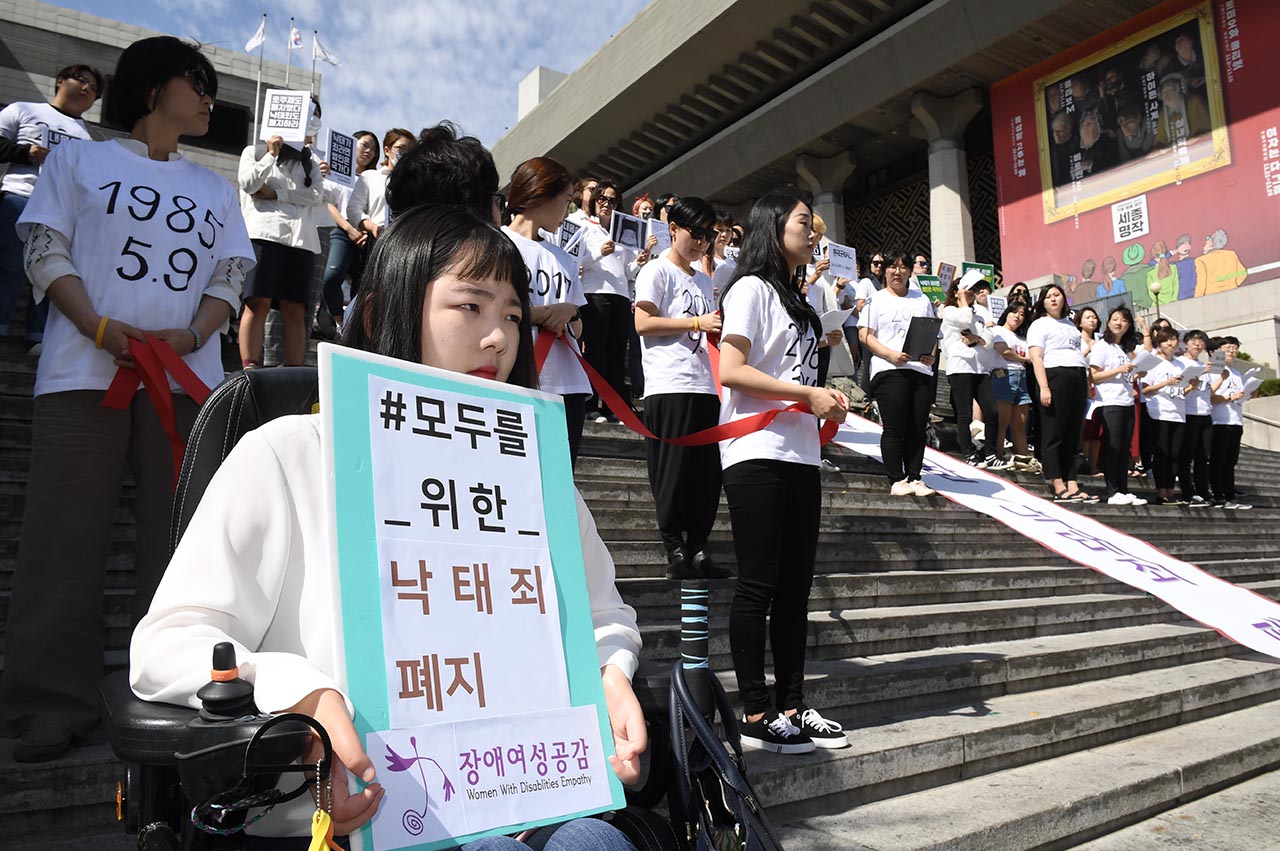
(662, 232)
(628, 231)
(834, 319)
(1191, 375)
(286, 113)
(844, 261)
(466, 640)
(341, 156)
(1145, 361)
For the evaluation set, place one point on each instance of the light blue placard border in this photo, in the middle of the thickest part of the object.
(358, 576)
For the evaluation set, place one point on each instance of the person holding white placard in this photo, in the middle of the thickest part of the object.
(346, 240)
(445, 289)
(769, 360)
(1167, 405)
(1053, 341)
(1226, 394)
(28, 132)
(367, 208)
(675, 311)
(127, 238)
(1197, 433)
(538, 195)
(1112, 371)
(902, 387)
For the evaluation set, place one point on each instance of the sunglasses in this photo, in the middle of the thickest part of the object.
(877, 262)
(611, 200)
(699, 234)
(924, 263)
(199, 84)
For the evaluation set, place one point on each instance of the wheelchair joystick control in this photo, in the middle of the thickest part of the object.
(226, 695)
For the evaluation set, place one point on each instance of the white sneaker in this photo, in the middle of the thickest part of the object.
(1134, 499)
(828, 467)
(902, 488)
(994, 463)
(823, 732)
(919, 488)
(1119, 499)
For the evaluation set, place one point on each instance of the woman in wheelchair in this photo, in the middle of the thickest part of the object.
(442, 288)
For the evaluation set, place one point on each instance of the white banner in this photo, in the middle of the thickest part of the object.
(1238, 613)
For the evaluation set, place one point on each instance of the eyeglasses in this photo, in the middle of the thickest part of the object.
(699, 234)
(900, 266)
(611, 200)
(85, 80)
(199, 84)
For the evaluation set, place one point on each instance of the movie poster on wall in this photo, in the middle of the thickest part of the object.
(1146, 154)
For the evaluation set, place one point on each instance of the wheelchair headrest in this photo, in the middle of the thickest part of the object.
(236, 407)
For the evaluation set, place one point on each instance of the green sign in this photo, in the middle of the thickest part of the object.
(931, 286)
(988, 271)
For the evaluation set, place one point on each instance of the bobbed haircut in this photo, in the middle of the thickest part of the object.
(1129, 339)
(1079, 317)
(535, 182)
(368, 134)
(1015, 307)
(444, 168)
(601, 186)
(762, 255)
(74, 70)
(145, 67)
(421, 245)
(1160, 336)
(1040, 308)
(692, 212)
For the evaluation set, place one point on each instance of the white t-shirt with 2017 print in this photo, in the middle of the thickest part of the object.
(27, 124)
(753, 310)
(1228, 413)
(1167, 403)
(1059, 340)
(1001, 334)
(553, 279)
(145, 237)
(1197, 395)
(889, 316)
(1118, 389)
(675, 363)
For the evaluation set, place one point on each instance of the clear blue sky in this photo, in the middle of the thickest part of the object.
(407, 64)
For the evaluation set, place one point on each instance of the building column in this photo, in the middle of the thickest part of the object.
(942, 121)
(826, 179)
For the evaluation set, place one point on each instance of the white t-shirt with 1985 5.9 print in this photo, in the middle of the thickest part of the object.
(145, 237)
(779, 348)
(675, 363)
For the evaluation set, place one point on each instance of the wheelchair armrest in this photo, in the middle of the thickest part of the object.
(140, 731)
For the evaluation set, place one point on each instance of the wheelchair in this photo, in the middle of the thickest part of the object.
(183, 765)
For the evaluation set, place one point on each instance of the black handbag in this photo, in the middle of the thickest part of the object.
(713, 806)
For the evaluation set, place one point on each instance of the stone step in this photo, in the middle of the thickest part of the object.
(1240, 816)
(73, 795)
(1058, 802)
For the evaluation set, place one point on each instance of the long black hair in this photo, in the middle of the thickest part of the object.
(1128, 341)
(1040, 309)
(422, 244)
(762, 256)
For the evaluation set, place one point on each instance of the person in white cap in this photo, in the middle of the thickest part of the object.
(965, 338)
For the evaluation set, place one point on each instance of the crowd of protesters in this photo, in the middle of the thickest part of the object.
(425, 214)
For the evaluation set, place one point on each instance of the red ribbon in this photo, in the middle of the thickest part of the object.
(727, 431)
(157, 360)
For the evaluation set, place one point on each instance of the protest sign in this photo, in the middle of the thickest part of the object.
(661, 230)
(468, 648)
(997, 304)
(731, 253)
(569, 236)
(286, 114)
(341, 158)
(946, 274)
(628, 230)
(988, 271)
(844, 261)
(931, 286)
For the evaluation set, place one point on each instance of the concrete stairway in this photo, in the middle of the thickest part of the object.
(997, 695)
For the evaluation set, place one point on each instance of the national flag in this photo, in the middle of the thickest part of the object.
(320, 52)
(295, 39)
(258, 38)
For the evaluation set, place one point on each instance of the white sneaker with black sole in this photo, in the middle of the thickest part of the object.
(823, 732)
(775, 734)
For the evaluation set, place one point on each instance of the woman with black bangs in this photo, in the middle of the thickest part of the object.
(127, 238)
(769, 360)
(1111, 367)
(444, 289)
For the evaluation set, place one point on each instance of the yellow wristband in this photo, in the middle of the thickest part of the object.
(696, 327)
(102, 329)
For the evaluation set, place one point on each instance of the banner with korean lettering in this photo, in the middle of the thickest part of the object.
(1237, 613)
(468, 646)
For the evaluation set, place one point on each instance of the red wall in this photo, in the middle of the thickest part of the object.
(1233, 197)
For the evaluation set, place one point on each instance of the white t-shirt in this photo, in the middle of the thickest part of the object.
(1060, 341)
(1001, 334)
(1229, 413)
(1167, 403)
(779, 348)
(553, 279)
(26, 123)
(601, 274)
(1197, 398)
(889, 316)
(144, 264)
(679, 363)
(1118, 389)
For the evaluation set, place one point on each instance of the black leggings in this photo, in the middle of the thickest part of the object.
(1063, 421)
(1117, 438)
(1193, 458)
(605, 318)
(685, 479)
(904, 397)
(774, 507)
(1224, 453)
(1168, 445)
(965, 388)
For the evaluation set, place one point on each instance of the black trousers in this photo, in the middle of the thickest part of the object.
(1117, 437)
(1063, 421)
(904, 398)
(1146, 438)
(1168, 445)
(1034, 428)
(575, 408)
(774, 509)
(1224, 454)
(1193, 458)
(685, 479)
(965, 389)
(824, 365)
(605, 330)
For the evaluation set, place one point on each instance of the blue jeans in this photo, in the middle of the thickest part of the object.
(342, 257)
(13, 278)
(584, 834)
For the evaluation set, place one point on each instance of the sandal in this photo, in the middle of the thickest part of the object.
(1062, 496)
(1080, 496)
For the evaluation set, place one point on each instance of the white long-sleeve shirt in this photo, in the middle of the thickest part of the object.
(961, 357)
(292, 217)
(608, 274)
(368, 198)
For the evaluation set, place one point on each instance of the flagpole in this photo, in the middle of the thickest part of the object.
(288, 54)
(257, 92)
(315, 34)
